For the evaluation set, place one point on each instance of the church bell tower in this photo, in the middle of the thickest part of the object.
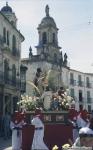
(48, 38)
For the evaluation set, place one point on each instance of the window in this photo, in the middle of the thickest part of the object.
(8, 38)
(53, 37)
(72, 93)
(6, 70)
(79, 77)
(89, 108)
(72, 82)
(88, 97)
(44, 38)
(71, 76)
(4, 35)
(14, 45)
(23, 76)
(80, 96)
(80, 83)
(87, 82)
(13, 74)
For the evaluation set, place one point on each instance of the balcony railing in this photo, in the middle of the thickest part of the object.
(81, 99)
(80, 83)
(89, 99)
(23, 87)
(16, 52)
(72, 82)
(88, 85)
(8, 80)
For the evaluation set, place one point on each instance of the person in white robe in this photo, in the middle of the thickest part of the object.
(16, 127)
(81, 122)
(38, 143)
(75, 129)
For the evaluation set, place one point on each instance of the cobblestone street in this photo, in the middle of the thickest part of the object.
(5, 144)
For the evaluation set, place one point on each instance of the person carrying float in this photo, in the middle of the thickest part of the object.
(73, 113)
(16, 124)
(82, 119)
(37, 121)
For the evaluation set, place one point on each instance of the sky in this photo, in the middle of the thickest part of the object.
(74, 18)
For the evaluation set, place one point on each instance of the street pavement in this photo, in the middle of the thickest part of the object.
(5, 144)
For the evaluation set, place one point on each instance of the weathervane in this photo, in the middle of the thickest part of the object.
(47, 10)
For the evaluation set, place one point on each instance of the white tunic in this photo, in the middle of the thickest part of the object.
(16, 135)
(38, 143)
(81, 122)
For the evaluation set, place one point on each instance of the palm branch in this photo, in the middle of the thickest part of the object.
(34, 86)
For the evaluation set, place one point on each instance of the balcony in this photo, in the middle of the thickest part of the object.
(88, 85)
(23, 87)
(81, 99)
(8, 80)
(16, 52)
(72, 82)
(89, 99)
(80, 83)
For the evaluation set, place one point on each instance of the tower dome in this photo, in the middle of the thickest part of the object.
(6, 9)
(8, 12)
(47, 21)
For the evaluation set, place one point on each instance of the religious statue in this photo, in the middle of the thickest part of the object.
(47, 10)
(38, 80)
(61, 59)
(65, 60)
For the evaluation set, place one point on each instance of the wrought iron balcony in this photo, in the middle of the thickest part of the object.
(88, 85)
(80, 83)
(16, 52)
(72, 82)
(89, 99)
(23, 87)
(8, 80)
(81, 99)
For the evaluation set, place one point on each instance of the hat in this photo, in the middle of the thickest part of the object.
(73, 114)
(83, 114)
(86, 132)
(17, 117)
(38, 113)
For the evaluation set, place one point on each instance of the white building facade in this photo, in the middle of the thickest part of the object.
(10, 52)
(81, 89)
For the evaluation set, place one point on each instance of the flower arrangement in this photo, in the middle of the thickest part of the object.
(61, 101)
(29, 103)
